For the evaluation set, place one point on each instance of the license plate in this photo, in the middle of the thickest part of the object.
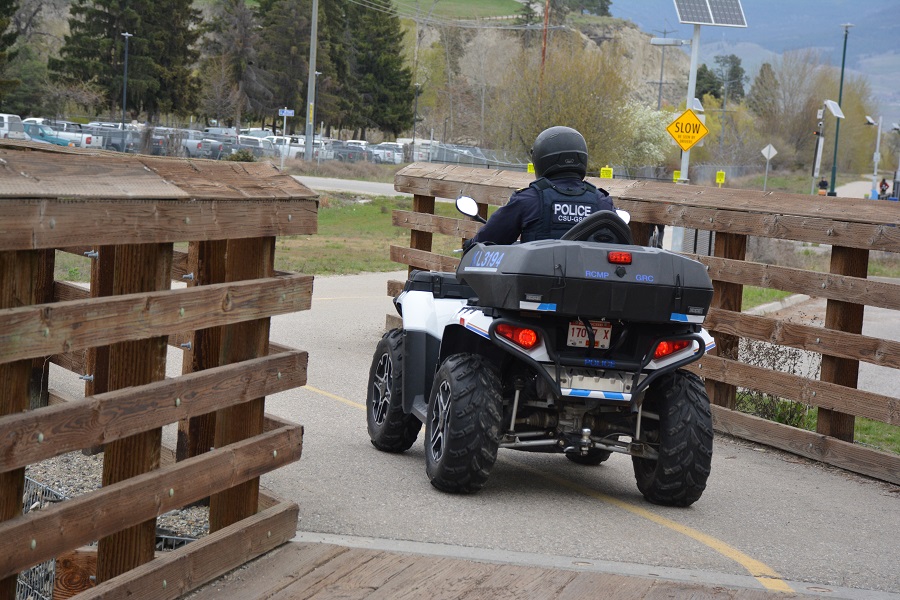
(578, 335)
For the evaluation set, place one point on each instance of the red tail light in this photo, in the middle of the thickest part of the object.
(667, 347)
(521, 336)
(87, 140)
(617, 257)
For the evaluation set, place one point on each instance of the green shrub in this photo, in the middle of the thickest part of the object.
(242, 155)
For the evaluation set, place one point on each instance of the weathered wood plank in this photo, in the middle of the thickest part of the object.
(55, 223)
(18, 287)
(272, 573)
(41, 330)
(244, 259)
(727, 296)
(825, 285)
(191, 566)
(63, 291)
(73, 523)
(74, 571)
(877, 351)
(846, 455)
(484, 185)
(30, 437)
(423, 260)
(435, 224)
(421, 240)
(825, 395)
(71, 361)
(135, 268)
(848, 317)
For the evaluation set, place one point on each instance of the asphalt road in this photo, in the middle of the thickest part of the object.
(767, 519)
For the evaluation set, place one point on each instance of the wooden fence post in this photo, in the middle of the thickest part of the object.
(252, 258)
(137, 268)
(206, 260)
(40, 367)
(847, 317)
(18, 279)
(727, 296)
(421, 240)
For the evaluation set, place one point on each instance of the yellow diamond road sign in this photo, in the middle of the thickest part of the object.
(687, 130)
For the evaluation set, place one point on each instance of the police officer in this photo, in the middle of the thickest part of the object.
(557, 200)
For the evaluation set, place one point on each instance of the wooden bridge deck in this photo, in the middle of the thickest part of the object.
(318, 571)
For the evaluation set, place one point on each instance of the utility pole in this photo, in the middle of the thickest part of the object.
(311, 82)
(126, 35)
(662, 66)
(837, 128)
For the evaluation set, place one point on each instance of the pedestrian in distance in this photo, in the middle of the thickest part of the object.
(823, 187)
(882, 189)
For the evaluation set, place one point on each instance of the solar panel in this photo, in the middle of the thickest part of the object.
(727, 13)
(693, 11)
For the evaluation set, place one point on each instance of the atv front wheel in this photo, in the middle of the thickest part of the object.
(462, 431)
(390, 429)
(684, 438)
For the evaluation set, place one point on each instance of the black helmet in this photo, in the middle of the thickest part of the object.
(559, 150)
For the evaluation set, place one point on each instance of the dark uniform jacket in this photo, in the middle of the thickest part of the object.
(546, 209)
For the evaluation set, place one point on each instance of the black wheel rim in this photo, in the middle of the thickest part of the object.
(381, 389)
(440, 421)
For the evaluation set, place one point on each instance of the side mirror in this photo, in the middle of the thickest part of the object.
(467, 206)
(624, 215)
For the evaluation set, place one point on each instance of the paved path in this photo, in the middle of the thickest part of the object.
(767, 519)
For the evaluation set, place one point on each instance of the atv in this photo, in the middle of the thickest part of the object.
(572, 346)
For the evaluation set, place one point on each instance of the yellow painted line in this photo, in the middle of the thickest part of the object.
(766, 575)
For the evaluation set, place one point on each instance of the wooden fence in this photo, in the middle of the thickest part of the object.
(126, 213)
(853, 228)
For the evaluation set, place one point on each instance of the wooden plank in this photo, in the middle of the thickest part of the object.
(63, 291)
(844, 316)
(436, 578)
(877, 351)
(71, 361)
(178, 572)
(421, 240)
(206, 261)
(273, 572)
(460, 228)
(18, 286)
(486, 185)
(74, 570)
(825, 285)
(54, 223)
(43, 292)
(853, 457)
(245, 259)
(324, 577)
(394, 287)
(423, 260)
(30, 437)
(825, 395)
(29, 332)
(727, 296)
(73, 523)
(136, 269)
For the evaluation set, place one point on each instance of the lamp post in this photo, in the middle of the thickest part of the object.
(694, 43)
(876, 158)
(126, 35)
(837, 128)
(415, 120)
(311, 82)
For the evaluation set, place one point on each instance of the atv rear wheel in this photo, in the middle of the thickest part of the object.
(462, 431)
(593, 458)
(684, 439)
(390, 429)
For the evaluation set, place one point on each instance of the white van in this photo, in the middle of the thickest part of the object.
(11, 127)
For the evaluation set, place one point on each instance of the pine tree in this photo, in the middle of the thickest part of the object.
(7, 39)
(284, 50)
(171, 32)
(382, 80)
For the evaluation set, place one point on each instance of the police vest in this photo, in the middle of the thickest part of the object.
(561, 209)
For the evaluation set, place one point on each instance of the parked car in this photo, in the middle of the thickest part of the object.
(11, 127)
(260, 147)
(68, 130)
(345, 152)
(291, 146)
(43, 132)
(388, 152)
(113, 138)
(191, 142)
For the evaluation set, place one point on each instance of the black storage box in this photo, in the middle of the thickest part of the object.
(577, 278)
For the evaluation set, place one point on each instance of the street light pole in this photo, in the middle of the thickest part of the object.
(837, 128)
(876, 158)
(126, 35)
(415, 120)
(311, 82)
(692, 89)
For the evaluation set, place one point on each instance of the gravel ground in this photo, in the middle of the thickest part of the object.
(74, 474)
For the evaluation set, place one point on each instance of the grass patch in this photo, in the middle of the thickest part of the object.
(755, 296)
(795, 182)
(461, 9)
(878, 435)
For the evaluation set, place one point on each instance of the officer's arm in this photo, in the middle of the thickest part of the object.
(503, 227)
